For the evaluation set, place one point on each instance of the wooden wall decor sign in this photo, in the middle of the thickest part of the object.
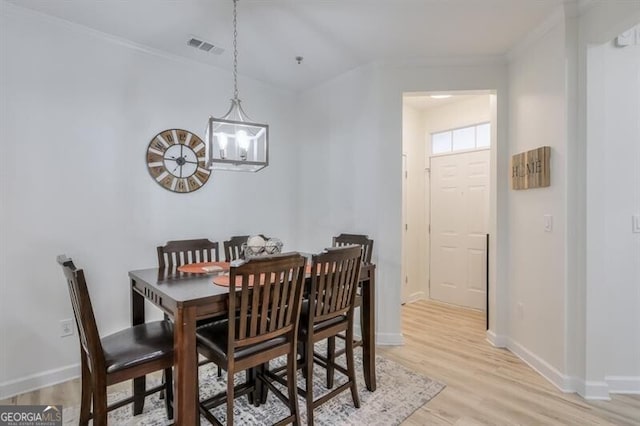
(531, 169)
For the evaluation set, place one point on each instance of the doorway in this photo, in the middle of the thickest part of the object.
(447, 140)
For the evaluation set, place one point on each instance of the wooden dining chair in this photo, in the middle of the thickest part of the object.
(264, 310)
(328, 312)
(181, 252)
(362, 240)
(127, 354)
(233, 247)
(366, 245)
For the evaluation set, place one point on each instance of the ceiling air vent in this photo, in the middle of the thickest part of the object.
(206, 46)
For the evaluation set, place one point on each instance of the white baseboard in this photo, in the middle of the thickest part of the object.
(418, 295)
(38, 381)
(498, 341)
(382, 339)
(623, 384)
(559, 380)
(577, 384)
(590, 389)
(389, 339)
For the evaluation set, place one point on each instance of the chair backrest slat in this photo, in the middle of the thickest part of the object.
(83, 311)
(182, 252)
(334, 279)
(267, 297)
(362, 240)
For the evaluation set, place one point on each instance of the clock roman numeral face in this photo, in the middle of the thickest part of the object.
(175, 160)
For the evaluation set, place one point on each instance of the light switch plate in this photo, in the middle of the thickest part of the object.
(548, 223)
(635, 224)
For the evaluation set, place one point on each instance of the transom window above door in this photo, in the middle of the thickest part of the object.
(467, 138)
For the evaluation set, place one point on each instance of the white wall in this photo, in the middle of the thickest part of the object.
(613, 161)
(537, 263)
(587, 321)
(622, 179)
(77, 114)
(572, 334)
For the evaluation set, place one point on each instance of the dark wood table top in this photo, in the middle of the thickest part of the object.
(185, 289)
(182, 287)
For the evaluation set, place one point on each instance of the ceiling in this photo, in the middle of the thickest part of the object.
(333, 36)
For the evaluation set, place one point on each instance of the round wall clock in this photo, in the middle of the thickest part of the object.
(176, 160)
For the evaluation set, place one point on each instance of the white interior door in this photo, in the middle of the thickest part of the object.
(459, 224)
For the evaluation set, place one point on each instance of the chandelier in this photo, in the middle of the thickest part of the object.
(234, 142)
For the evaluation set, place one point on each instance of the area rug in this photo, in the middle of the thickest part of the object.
(399, 393)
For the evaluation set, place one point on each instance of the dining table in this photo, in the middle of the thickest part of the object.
(191, 296)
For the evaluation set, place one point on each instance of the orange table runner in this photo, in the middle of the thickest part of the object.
(204, 267)
(223, 280)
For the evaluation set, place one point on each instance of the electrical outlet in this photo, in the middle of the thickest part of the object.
(66, 327)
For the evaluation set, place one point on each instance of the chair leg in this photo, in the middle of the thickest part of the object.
(85, 401)
(258, 395)
(309, 382)
(292, 385)
(139, 388)
(230, 397)
(168, 388)
(99, 399)
(164, 380)
(351, 367)
(197, 401)
(250, 378)
(331, 359)
(264, 390)
(304, 353)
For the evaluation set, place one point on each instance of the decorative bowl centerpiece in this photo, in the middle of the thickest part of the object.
(257, 246)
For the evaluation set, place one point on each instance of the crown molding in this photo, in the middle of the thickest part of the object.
(21, 12)
(443, 61)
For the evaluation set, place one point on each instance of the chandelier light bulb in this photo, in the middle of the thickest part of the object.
(243, 143)
(222, 143)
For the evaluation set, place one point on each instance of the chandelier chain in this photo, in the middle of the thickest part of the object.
(235, 49)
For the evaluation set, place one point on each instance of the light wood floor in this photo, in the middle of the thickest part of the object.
(485, 385)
